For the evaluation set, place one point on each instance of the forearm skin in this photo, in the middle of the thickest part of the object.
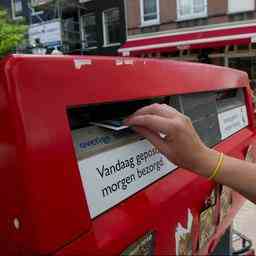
(234, 173)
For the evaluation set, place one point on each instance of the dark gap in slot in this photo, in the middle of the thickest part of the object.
(229, 99)
(227, 94)
(81, 116)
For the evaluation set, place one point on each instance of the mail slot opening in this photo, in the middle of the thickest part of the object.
(232, 111)
(82, 116)
(114, 164)
(229, 99)
(99, 127)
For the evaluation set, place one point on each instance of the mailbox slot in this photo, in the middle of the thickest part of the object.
(215, 115)
(81, 116)
(232, 111)
(113, 164)
(202, 109)
(101, 151)
(209, 112)
(229, 99)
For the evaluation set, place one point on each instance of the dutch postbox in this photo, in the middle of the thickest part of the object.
(74, 181)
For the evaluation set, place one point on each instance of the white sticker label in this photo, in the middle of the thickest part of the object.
(119, 62)
(232, 121)
(110, 177)
(128, 62)
(82, 62)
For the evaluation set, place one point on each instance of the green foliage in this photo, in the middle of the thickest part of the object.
(11, 33)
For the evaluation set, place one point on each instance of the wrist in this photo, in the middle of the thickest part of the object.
(206, 162)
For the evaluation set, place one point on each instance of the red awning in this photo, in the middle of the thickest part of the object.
(204, 38)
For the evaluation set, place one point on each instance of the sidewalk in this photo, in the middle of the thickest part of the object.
(245, 221)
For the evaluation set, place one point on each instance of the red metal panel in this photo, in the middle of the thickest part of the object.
(35, 137)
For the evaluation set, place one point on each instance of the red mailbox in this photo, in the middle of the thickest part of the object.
(70, 186)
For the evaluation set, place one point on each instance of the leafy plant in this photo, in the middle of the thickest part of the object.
(11, 33)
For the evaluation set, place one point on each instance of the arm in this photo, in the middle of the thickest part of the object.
(184, 148)
(237, 174)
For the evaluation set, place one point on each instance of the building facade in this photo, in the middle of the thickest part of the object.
(17, 9)
(220, 32)
(73, 26)
(49, 24)
(102, 25)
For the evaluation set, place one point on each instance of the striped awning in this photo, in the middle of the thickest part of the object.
(204, 38)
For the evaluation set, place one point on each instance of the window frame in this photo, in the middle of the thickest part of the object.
(191, 16)
(235, 12)
(105, 44)
(83, 32)
(13, 9)
(150, 22)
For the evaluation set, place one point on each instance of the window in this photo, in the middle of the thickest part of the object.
(235, 6)
(241, 16)
(149, 10)
(111, 27)
(191, 9)
(16, 9)
(70, 34)
(89, 30)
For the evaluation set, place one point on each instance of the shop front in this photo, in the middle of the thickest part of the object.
(226, 45)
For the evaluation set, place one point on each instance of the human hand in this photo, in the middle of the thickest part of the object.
(181, 145)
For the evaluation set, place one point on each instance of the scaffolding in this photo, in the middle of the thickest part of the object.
(68, 12)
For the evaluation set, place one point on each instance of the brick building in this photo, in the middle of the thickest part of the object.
(220, 32)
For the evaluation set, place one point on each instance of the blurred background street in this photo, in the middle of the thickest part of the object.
(245, 221)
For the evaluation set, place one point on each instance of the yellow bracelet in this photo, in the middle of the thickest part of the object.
(218, 167)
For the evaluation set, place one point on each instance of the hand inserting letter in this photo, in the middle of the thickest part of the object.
(181, 145)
